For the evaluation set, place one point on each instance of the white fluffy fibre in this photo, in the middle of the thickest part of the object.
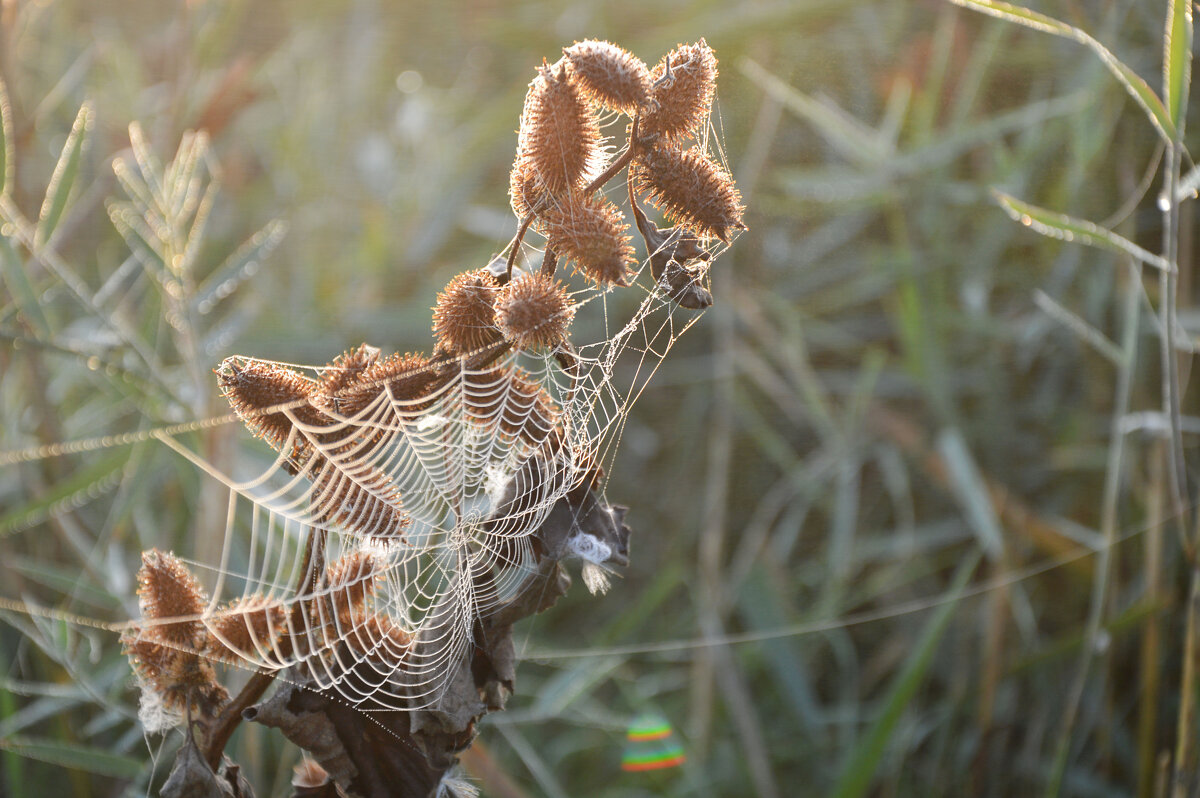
(453, 785)
(588, 548)
(596, 579)
(154, 715)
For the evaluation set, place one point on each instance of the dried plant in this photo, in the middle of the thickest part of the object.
(338, 634)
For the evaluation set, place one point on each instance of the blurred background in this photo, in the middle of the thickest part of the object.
(902, 524)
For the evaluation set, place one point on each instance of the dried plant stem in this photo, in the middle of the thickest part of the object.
(1108, 524)
(1151, 657)
(224, 725)
(1185, 747)
(515, 247)
(1169, 286)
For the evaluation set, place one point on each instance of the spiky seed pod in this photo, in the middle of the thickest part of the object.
(378, 638)
(351, 580)
(180, 677)
(609, 75)
(167, 590)
(690, 189)
(407, 377)
(559, 135)
(525, 190)
(533, 311)
(590, 234)
(256, 385)
(242, 627)
(510, 403)
(683, 98)
(358, 497)
(346, 368)
(464, 319)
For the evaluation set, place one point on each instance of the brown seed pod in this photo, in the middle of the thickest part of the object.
(533, 311)
(510, 402)
(254, 386)
(464, 319)
(179, 676)
(238, 630)
(590, 233)
(406, 377)
(682, 97)
(346, 368)
(609, 75)
(690, 189)
(351, 580)
(356, 496)
(167, 590)
(559, 137)
(525, 190)
(377, 637)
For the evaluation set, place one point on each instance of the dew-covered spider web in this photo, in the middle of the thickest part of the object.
(366, 551)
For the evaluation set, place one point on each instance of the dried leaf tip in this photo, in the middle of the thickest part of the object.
(464, 317)
(684, 84)
(609, 76)
(533, 311)
(590, 233)
(559, 137)
(690, 189)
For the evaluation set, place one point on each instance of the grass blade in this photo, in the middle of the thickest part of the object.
(1133, 83)
(859, 770)
(17, 280)
(6, 142)
(73, 756)
(1177, 60)
(85, 484)
(240, 266)
(1068, 228)
(63, 179)
(971, 491)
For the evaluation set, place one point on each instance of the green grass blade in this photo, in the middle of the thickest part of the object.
(1133, 83)
(969, 488)
(17, 280)
(1068, 228)
(73, 756)
(859, 770)
(63, 179)
(240, 266)
(6, 143)
(85, 484)
(1177, 60)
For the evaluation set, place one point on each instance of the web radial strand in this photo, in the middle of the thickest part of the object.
(437, 499)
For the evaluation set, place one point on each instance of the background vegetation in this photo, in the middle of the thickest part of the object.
(899, 392)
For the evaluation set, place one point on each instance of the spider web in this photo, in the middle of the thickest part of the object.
(474, 468)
